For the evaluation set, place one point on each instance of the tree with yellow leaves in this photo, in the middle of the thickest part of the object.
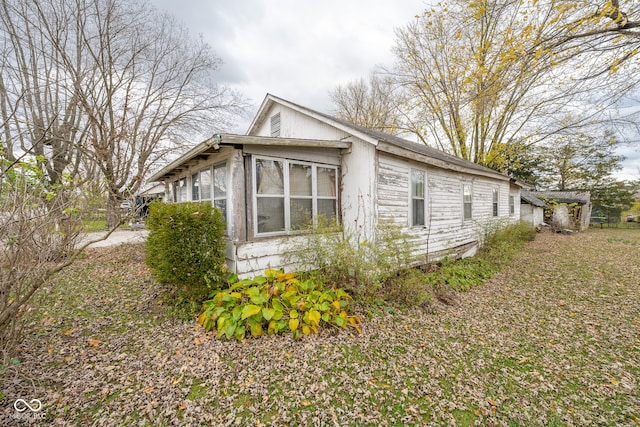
(481, 74)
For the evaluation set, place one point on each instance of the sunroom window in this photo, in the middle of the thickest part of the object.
(220, 188)
(290, 194)
(210, 184)
(180, 190)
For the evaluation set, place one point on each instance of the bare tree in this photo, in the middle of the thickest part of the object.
(486, 73)
(38, 236)
(130, 85)
(372, 104)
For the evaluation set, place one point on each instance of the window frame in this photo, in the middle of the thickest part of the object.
(287, 196)
(413, 198)
(180, 192)
(495, 201)
(465, 202)
(214, 196)
(512, 205)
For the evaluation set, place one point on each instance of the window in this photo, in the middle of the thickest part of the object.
(195, 186)
(289, 194)
(205, 184)
(180, 190)
(512, 205)
(495, 202)
(275, 125)
(220, 188)
(209, 184)
(417, 198)
(467, 201)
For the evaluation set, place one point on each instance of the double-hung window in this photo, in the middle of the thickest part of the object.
(417, 198)
(495, 193)
(467, 201)
(512, 205)
(291, 194)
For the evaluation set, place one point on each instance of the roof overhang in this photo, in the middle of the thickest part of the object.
(213, 145)
(395, 150)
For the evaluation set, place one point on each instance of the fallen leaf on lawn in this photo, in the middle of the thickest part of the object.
(94, 342)
(69, 331)
(197, 341)
(148, 390)
(182, 407)
(492, 402)
(305, 403)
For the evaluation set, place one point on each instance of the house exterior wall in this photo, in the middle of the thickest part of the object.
(445, 232)
(374, 188)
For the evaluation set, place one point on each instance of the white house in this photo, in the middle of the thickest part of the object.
(295, 164)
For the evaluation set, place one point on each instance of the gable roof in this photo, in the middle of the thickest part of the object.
(383, 141)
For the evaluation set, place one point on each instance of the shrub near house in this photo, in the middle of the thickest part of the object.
(186, 247)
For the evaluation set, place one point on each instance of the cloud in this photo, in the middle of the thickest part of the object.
(295, 49)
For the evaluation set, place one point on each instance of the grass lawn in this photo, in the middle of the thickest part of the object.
(554, 339)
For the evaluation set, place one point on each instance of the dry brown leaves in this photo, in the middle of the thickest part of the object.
(553, 339)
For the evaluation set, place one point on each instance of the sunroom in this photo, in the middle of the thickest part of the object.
(267, 188)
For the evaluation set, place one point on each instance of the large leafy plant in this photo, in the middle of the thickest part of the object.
(276, 303)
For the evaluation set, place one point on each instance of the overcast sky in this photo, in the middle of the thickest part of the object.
(295, 49)
(300, 50)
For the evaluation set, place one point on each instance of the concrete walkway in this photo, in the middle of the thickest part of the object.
(118, 237)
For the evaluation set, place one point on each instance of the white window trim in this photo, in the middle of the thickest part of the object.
(424, 198)
(287, 193)
(463, 202)
(496, 191)
(210, 169)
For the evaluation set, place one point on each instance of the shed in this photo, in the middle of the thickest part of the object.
(295, 164)
(567, 209)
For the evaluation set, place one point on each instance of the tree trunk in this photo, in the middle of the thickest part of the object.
(114, 212)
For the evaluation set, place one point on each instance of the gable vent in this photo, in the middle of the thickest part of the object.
(275, 125)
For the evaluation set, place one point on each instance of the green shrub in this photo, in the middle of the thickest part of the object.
(500, 245)
(278, 303)
(408, 287)
(341, 258)
(186, 247)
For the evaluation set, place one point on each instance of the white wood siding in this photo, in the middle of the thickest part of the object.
(296, 125)
(253, 258)
(445, 230)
